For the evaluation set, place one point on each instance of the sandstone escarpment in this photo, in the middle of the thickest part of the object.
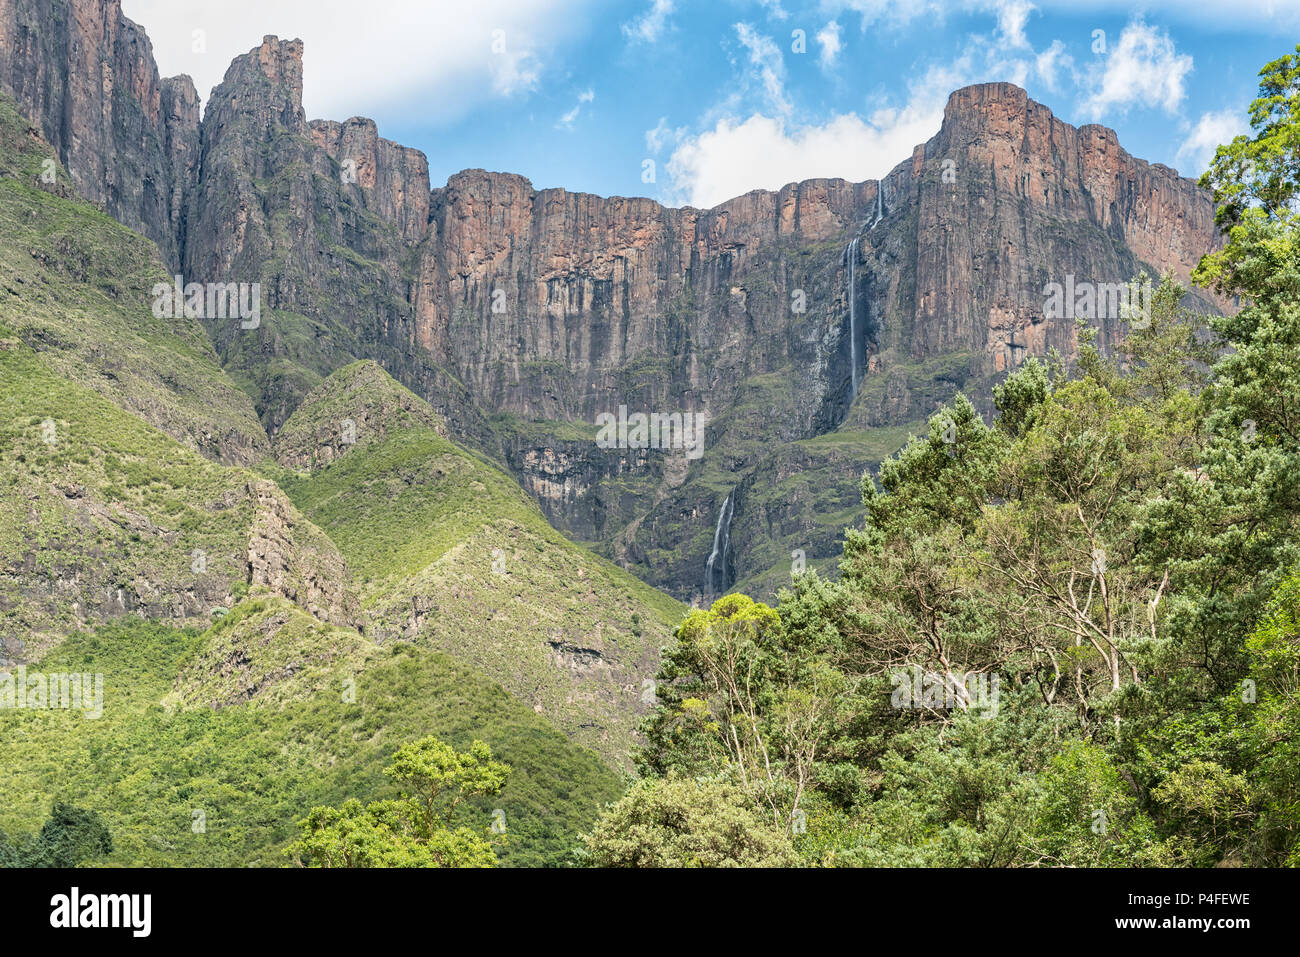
(322, 216)
(1030, 200)
(86, 76)
(781, 315)
(522, 314)
(393, 179)
(545, 298)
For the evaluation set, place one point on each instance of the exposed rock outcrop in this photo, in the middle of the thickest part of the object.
(522, 314)
(357, 406)
(295, 560)
(86, 76)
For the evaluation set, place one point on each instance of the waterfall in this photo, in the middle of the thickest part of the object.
(851, 254)
(721, 545)
(880, 203)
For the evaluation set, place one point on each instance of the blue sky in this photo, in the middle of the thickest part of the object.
(725, 96)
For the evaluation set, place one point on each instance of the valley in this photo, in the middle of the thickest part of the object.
(946, 518)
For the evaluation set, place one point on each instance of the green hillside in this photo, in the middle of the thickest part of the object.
(449, 551)
(249, 672)
(77, 287)
(158, 769)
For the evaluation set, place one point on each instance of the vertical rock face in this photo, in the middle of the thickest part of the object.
(541, 300)
(558, 306)
(1028, 200)
(323, 215)
(180, 111)
(85, 75)
(521, 314)
(295, 560)
(394, 179)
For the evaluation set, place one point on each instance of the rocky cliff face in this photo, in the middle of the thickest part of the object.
(325, 216)
(545, 303)
(927, 282)
(86, 76)
(1028, 200)
(823, 309)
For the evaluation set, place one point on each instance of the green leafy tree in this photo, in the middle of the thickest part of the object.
(963, 795)
(684, 822)
(417, 830)
(1274, 651)
(70, 837)
(1228, 528)
(733, 693)
(1089, 815)
(1256, 181)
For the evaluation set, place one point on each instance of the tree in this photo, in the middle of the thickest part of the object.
(438, 777)
(415, 831)
(386, 834)
(70, 837)
(1089, 815)
(1274, 650)
(909, 595)
(9, 856)
(1228, 529)
(685, 822)
(733, 693)
(1059, 546)
(1256, 180)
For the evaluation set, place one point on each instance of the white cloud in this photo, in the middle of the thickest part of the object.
(1012, 17)
(1211, 130)
(1144, 67)
(514, 71)
(663, 136)
(649, 27)
(1050, 62)
(828, 38)
(774, 9)
(766, 152)
(566, 121)
(741, 149)
(768, 64)
(383, 54)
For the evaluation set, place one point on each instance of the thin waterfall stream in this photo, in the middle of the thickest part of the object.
(721, 546)
(851, 254)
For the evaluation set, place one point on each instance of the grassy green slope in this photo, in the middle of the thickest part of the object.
(106, 504)
(102, 515)
(77, 287)
(159, 756)
(449, 551)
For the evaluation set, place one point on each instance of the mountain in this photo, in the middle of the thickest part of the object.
(86, 76)
(122, 473)
(390, 503)
(449, 551)
(814, 325)
(254, 663)
(137, 482)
